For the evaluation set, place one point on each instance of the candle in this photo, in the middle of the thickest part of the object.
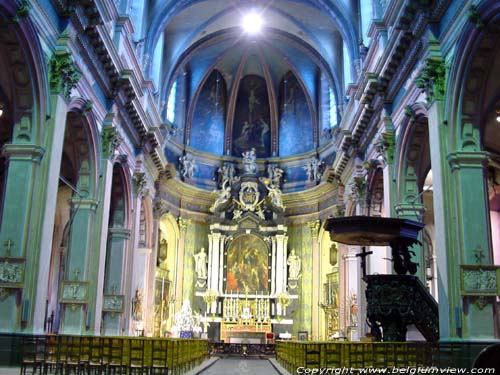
(162, 287)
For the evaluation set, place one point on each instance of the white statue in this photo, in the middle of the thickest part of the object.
(312, 169)
(294, 264)
(249, 164)
(275, 195)
(201, 263)
(226, 174)
(224, 195)
(274, 174)
(187, 167)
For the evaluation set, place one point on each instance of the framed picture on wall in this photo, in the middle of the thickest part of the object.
(302, 336)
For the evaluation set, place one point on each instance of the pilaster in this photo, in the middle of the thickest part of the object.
(114, 282)
(74, 316)
(472, 234)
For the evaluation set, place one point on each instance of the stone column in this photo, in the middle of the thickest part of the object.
(110, 139)
(16, 216)
(353, 285)
(214, 262)
(48, 184)
(316, 286)
(179, 287)
(281, 271)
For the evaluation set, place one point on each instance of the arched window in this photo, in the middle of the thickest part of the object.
(171, 103)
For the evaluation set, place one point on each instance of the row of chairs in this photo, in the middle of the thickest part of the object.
(63, 354)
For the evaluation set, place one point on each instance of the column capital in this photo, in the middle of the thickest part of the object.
(183, 223)
(23, 152)
(314, 227)
(467, 159)
(119, 232)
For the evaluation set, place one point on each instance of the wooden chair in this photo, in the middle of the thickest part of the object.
(69, 349)
(52, 363)
(94, 363)
(113, 355)
(33, 351)
(136, 363)
(159, 357)
(312, 356)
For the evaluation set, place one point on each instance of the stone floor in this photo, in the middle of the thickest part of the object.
(245, 366)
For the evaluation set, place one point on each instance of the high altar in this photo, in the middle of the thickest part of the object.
(246, 280)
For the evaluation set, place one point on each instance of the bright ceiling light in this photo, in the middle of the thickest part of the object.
(252, 23)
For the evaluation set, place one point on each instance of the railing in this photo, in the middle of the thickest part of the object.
(104, 354)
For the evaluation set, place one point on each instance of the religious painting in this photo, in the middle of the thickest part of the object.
(207, 127)
(247, 263)
(252, 127)
(296, 126)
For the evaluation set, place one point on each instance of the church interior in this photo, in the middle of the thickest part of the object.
(317, 180)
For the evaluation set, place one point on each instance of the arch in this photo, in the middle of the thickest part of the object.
(468, 77)
(413, 151)
(27, 71)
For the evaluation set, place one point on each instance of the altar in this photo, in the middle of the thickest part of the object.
(245, 337)
(244, 280)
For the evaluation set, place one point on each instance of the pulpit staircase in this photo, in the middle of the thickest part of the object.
(396, 301)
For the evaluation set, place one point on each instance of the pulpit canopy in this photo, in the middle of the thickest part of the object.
(371, 231)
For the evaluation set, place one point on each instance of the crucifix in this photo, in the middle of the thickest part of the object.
(479, 255)
(113, 289)
(363, 256)
(8, 246)
(76, 272)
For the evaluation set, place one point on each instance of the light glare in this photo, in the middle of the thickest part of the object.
(252, 23)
